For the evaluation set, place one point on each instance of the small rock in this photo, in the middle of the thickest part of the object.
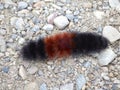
(105, 57)
(22, 72)
(86, 64)
(87, 5)
(51, 17)
(40, 73)
(61, 22)
(48, 27)
(114, 3)
(32, 70)
(19, 24)
(13, 20)
(43, 87)
(35, 28)
(80, 82)
(111, 33)
(70, 16)
(5, 69)
(67, 86)
(21, 41)
(55, 88)
(2, 44)
(76, 12)
(105, 76)
(98, 14)
(31, 86)
(39, 4)
(22, 5)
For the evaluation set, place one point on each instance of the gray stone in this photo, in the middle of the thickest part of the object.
(22, 5)
(68, 86)
(70, 16)
(80, 82)
(31, 86)
(106, 56)
(61, 22)
(86, 64)
(32, 70)
(40, 73)
(43, 87)
(111, 33)
(35, 28)
(76, 12)
(2, 44)
(5, 69)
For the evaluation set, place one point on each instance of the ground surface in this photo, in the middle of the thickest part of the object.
(20, 22)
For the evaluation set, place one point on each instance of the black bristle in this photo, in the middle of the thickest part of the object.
(29, 50)
(89, 42)
(40, 48)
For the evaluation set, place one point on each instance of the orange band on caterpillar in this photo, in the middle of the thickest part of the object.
(64, 44)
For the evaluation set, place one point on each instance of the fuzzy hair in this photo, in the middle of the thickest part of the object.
(89, 42)
(64, 44)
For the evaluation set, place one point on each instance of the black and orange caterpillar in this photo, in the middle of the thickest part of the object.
(64, 44)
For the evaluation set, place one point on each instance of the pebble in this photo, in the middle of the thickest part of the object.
(80, 82)
(22, 72)
(99, 14)
(40, 73)
(61, 22)
(31, 86)
(2, 44)
(105, 76)
(106, 56)
(22, 5)
(70, 17)
(76, 12)
(111, 33)
(51, 17)
(32, 70)
(114, 3)
(86, 64)
(68, 86)
(19, 24)
(43, 87)
(35, 28)
(21, 41)
(5, 69)
(55, 88)
(48, 27)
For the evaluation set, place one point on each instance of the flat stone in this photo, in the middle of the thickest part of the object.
(98, 14)
(32, 70)
(5, 69)
(111, 33)
(43, 87)
(2, 44)
(61, 22)
(22, 5)
(106, 56)
(22, 72)
(114, 3)
(31, 86)
(80, 82)
(68, 86)
(48, 27)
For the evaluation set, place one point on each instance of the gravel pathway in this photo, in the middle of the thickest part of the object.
(23, 20)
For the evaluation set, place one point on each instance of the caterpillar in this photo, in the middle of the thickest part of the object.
(63, 44)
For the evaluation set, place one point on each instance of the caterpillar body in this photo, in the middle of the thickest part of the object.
(64, 44)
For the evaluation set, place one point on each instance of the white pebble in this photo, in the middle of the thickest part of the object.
(31, 86)
(48, 27)
(22, 72)
(61, 22)
(105, 57)
(98, 14)
(68, 86)
(21, 41)
(32, 70)
(111, 33)
(114, 3)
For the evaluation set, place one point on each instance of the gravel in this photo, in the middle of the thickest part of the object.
(23, 20)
